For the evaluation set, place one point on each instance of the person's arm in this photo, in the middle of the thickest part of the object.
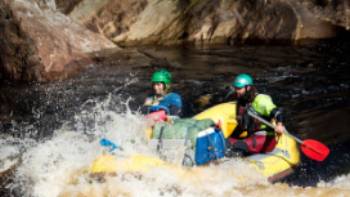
(264, 105)
(279, 129)
(277, 114)
(146, 105)
(158, 108)
(148, 101)
(173, 102)
(174, 110)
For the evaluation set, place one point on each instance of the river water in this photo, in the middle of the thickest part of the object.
(54, 128)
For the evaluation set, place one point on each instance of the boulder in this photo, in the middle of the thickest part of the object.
(41, 44)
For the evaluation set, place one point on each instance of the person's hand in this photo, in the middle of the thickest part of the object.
(155, 108)
(148, 101)
(279, 129)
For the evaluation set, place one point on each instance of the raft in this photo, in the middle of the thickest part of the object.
(273, 165)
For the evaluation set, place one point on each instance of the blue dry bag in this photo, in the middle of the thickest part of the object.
(210, 145)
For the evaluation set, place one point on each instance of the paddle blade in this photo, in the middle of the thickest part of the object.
(314, 149)
(108, 144)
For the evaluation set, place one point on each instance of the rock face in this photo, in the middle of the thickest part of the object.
(111, 18)
(66, 6)
(336, 12)
(133, 22)
(42, 45)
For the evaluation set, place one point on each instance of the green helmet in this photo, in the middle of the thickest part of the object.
(242, 80)
(161, 76)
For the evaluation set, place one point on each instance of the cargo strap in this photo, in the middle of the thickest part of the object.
(160, 142)
(187, 159)
(212, 145)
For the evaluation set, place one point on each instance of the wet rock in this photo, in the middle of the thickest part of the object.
(9, 157)
(135, 22)
(7, 166)
(41, 44)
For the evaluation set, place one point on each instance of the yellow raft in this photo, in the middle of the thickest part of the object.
(273, 165)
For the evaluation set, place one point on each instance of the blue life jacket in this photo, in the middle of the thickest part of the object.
(171, 103)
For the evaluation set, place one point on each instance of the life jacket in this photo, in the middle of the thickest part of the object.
(171, 103)
(247, 126)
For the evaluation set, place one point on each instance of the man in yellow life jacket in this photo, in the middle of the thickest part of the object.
(162, 98)
(250, 136)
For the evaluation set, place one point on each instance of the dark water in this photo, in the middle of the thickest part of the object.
(310, 82)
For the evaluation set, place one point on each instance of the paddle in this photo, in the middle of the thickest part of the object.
(311, 148)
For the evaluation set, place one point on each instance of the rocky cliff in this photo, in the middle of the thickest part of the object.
(135, 22)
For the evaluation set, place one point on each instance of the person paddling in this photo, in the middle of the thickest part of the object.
(251, 136)
(162, 98)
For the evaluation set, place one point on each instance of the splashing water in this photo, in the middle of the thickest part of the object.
(53, 167)
(57, 166)
(47, 164)
(9, 152)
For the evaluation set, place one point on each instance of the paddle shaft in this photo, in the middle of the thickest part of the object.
(317, 147)
(254, 115)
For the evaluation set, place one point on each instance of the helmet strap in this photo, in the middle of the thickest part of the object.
(248, 95)
(166, 87)
(251, 93)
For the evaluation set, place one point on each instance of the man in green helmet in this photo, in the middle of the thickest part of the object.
(251, 136)
(162, 98)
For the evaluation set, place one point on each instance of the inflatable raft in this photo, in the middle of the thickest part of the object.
(273, 165)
